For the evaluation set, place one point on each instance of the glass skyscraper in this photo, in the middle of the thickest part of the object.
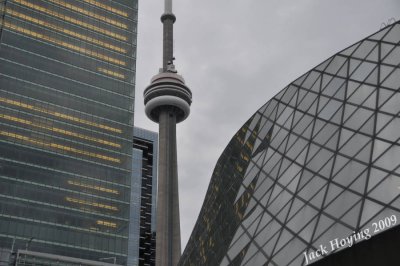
(144, 196)
(67, 71)
(314, 175)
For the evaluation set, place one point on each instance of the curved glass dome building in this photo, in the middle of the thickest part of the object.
(314, 174)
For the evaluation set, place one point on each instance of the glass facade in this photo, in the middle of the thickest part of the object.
(67, 73)
(29, 258)
(316, 167)
(144, 196)
(134, 219)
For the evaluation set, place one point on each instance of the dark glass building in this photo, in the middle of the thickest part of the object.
(67, 71)
(314, 175)
(144, 196)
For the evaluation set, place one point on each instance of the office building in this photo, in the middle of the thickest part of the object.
(144, 196)
(313, 177)
(67, 73)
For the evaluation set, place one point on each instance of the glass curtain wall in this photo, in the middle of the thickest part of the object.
(145, 150)
(67, 73)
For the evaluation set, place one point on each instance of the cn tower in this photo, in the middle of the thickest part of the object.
(167, 102)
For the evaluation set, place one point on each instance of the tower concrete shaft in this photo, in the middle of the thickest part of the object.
(168, 20)
(167, 102)
(168, 242)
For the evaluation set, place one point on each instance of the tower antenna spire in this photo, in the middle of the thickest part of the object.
(168, 6)
(168, 19)
(167, 102)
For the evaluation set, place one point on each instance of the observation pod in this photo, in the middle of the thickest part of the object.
(167, 90)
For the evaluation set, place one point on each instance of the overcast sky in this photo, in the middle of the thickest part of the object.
(235, 55)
